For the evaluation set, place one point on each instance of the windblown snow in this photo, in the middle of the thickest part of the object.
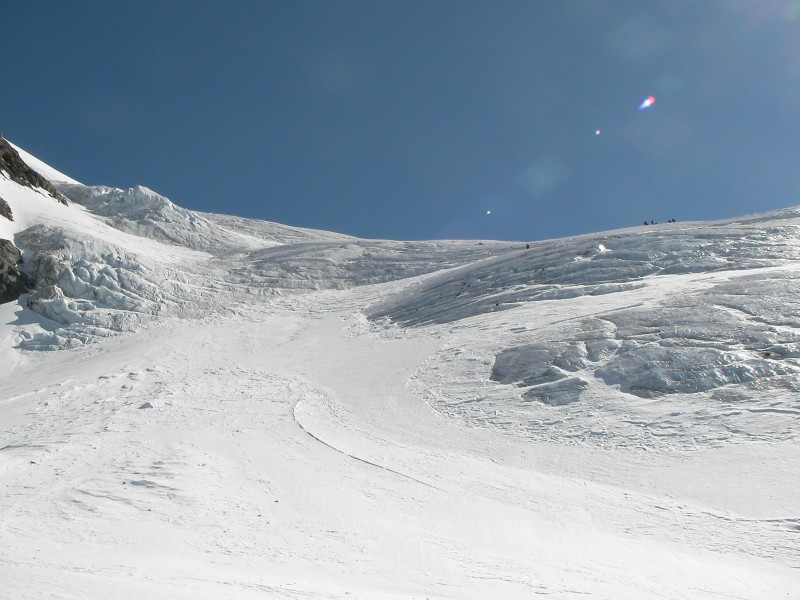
(204, 406)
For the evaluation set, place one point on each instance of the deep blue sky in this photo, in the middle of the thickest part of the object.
(411, 119)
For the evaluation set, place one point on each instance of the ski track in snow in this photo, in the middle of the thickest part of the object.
(240, 409)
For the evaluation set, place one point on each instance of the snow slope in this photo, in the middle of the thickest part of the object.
(43, 168)
(241, 409)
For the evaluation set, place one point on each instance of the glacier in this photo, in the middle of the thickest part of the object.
(197, 405)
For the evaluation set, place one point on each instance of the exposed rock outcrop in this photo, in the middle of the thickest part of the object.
(16, 168)
(5, 210)
(13, 282)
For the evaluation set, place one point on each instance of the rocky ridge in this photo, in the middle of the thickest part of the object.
(18, 170)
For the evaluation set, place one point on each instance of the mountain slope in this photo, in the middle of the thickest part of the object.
(244, 409)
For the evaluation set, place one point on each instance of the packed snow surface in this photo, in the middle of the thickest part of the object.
(203, 406)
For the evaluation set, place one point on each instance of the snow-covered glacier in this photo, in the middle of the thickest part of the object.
(196, 405)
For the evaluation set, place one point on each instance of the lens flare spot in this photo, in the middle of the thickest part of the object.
(647, 102)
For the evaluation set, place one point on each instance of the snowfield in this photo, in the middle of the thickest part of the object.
(204, 406)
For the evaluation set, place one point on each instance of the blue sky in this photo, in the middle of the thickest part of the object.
(413, 119)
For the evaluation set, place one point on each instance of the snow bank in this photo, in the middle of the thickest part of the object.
(574, 267)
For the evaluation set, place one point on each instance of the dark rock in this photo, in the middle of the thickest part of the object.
(19, 171)
(13, 282)
(5, 210)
